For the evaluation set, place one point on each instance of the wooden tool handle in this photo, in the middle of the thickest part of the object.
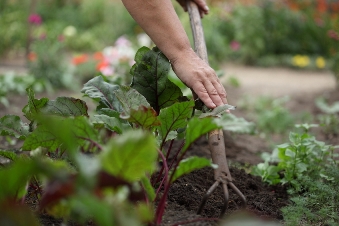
(197, 30)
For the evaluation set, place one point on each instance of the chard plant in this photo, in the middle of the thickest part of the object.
(101, 167)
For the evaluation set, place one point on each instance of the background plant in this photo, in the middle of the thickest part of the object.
(310, 170)
(107, 159)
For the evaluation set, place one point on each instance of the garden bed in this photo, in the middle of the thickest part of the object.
(243, 151)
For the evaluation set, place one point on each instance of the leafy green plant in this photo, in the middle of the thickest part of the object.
(12, 83)
(329, 121)
(49, 65)
(271, 115)
(318, 204)
(103, 167)
(302, 156)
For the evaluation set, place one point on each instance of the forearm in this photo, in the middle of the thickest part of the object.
(160, 21)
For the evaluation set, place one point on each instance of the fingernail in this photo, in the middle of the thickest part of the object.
(206, 8)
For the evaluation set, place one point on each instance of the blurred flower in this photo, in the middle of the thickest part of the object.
(61, 38)
(320, 62)
(332, 34)
(42, 36)
(144, 40)
(122, 41)
(69, 31)
(105, 68)
(300, 60)
(80, 59)
(234, 45)
(32, 56)
(98, 56)
(35, 19)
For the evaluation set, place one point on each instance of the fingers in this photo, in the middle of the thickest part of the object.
(203, 8)
(209, 94)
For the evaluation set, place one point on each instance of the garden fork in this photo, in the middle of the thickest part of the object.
(222, 174)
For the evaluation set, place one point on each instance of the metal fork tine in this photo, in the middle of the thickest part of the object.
(241, 195)
(207, 195)
(226, 198)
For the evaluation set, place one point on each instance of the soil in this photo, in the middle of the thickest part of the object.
(263, 202)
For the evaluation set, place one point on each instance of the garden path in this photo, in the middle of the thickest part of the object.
(277, 82)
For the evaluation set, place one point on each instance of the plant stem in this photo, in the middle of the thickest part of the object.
(161, 206)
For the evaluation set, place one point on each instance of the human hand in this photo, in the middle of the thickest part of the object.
(202, 6)
(200, 77)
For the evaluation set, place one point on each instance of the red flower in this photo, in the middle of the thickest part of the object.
(35, 19)
(83, 58)
(101, 65)
(32, 56)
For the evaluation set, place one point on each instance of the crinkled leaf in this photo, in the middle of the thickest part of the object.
(143, 116)
(196, 128)
(111, 123)
(41, 137)
(54, 131)
(65, 106)
(130, 98)
(8, 155)
(11, 125)
(174, 117)
(103, 92)
(189, 164)
(130, 155)
(150, 79)
(32, 109)
(235, 124)
(109, 112)
(217, 111)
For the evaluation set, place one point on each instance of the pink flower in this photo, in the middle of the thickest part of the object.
(122, 41)
(234, 45)
(35, 19)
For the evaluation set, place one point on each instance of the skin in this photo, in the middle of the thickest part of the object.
(160, 21)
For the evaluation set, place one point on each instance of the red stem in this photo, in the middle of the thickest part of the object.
(162, 168)
(162, 203)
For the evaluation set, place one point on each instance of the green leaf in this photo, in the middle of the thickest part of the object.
(148, 188)
(11, 125)
(143, 116)
(32, 109)
(136, 108)
(150, 79)
(189, 164)
(103, 92)
(130, 98)
(197, 127)
(54, 131)
(41, 137)
(217, 111)
(8, 154)
(232, 123)
(326, 108)
(130, 155)
(90, 206)
(111, 123)
(174, 117)
(65, 106)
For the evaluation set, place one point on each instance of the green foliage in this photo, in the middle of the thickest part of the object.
(14, 84)
(102, 164)
(318, 204)
(50, 64)
(302, 156)
(329, 120)
(271, 116)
